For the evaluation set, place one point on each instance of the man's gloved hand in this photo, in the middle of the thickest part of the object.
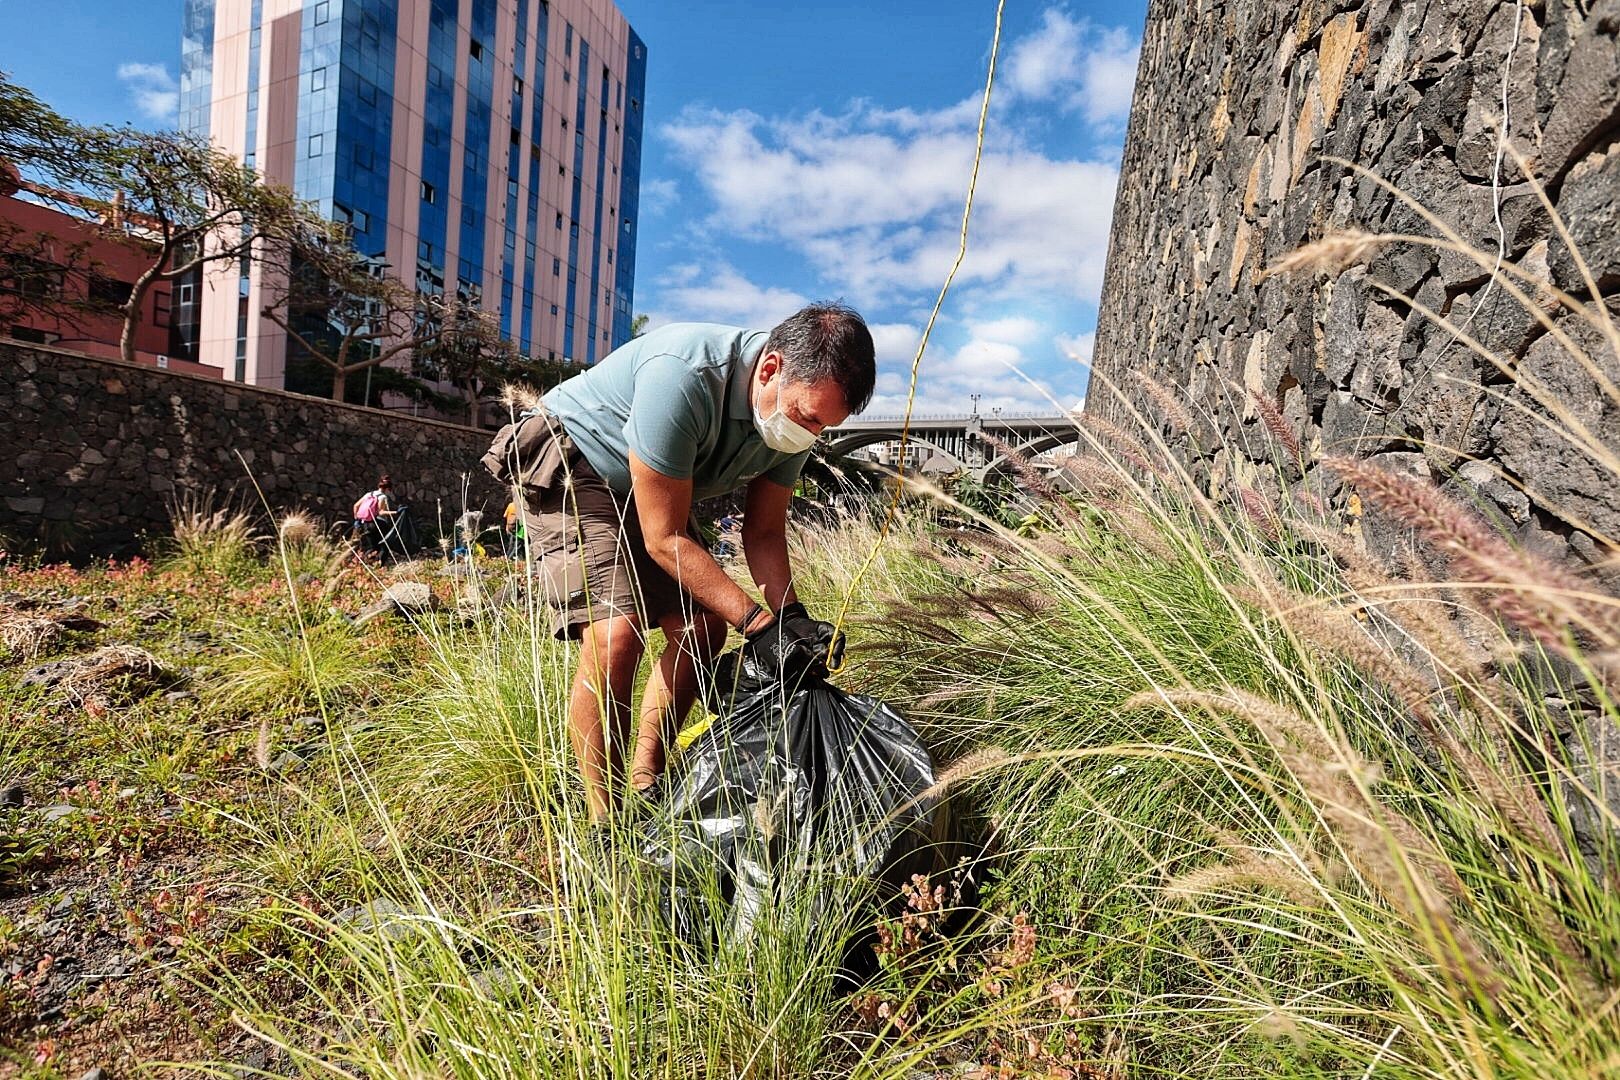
(794, 645)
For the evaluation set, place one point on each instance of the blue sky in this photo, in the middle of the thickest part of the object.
(803, 151)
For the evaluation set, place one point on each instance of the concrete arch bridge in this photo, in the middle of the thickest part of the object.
(960, 440)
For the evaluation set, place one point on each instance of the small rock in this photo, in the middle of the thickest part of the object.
(175, 697)
(49, 674)
(59, 811)
(309, 723)
(62, 906)
(97, 1073)
(497, 982)
(410, 597)
(389, 918)
(288, 763)
(154, 614)
(12, 796)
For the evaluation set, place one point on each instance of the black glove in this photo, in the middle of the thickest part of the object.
(794, 645)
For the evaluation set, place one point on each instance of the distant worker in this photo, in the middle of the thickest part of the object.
(610, 465)
(512, 534)
(373, 512)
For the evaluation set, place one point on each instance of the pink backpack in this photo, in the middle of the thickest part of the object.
(366, 508)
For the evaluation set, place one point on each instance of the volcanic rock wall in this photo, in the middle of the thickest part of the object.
(1239, 107)
(94, 452)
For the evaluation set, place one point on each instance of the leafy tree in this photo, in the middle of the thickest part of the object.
(188, 205)
(349, 313)
(638, 325)
(44, 146)
(469, 353)
(198, 207)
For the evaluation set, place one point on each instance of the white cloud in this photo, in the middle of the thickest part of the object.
(995, 371)
(895, 343)
(153, 90)
(1013, 330)
(1041, 65)
(1109, 78)
(1078, 347)
(659, 195)
(1073, 61)
(876, 211)
(692, 293)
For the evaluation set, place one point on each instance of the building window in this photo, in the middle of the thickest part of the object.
(160, 309)
(511, 189)
(315, 146)
(568, 39)
(565, 123)
(317, 80)
(33, 336)
(573, 228)
(556, 267)
(517, 136)
(566, 76)
(554, 309)
(323, 11)
(424, 250)
(635, 104)
(186, 293)
(475, 49)
(559, 219)
(517, 87)
(368, 92)
(109, 291)
(428, 194)
(562, 170)
(468, 216)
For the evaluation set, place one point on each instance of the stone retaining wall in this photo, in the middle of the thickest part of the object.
(1238, 105)
(94, 452)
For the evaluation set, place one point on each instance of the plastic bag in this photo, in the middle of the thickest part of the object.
(811, 789)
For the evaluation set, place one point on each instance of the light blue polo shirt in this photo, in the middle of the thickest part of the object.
(678, 397)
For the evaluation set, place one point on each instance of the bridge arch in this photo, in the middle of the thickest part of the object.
(1030, 448)
(842, 447)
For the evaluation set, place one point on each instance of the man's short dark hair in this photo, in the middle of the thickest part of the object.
(828, 341)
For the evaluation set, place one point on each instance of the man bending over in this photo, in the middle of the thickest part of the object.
(623, 450)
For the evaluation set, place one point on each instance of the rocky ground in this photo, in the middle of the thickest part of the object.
(125, 765)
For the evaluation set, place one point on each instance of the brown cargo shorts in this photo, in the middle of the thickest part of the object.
(584, 546)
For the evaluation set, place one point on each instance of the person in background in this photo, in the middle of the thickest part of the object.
(373, 514)
(513, 535)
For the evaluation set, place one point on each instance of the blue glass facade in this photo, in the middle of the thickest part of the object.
(480, 97)
(438, 118)
(196, 65)
(624, 263)
(571, 307)
(596, 315)
(365, 120)
(348, 128)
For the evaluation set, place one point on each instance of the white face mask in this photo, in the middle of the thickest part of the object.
(780, 433)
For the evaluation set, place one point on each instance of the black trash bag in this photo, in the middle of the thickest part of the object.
(789, 789)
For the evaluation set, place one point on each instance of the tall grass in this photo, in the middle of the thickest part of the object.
(1266, 801)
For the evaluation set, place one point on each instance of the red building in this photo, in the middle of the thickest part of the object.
(63, 278)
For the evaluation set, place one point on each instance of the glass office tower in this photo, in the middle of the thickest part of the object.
(487, 147)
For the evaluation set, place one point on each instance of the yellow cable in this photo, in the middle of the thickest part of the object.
(916, 363)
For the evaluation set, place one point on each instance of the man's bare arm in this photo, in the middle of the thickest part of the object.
(764, 538)
(663, 505)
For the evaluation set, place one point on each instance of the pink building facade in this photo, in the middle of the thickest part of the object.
(486, 147)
